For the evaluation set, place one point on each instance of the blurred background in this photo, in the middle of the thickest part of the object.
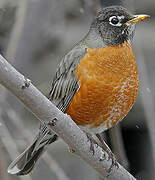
(34, 35)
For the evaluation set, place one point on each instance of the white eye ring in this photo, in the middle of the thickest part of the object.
(118, 24)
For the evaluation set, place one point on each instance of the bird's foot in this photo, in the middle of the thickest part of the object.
(114, 161)
(92, 142)
(109, 152)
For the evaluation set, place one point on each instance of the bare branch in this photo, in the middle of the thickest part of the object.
(63, 126)
(47, 158)
(17, 29)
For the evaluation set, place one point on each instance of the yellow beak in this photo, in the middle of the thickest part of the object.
(136, 18)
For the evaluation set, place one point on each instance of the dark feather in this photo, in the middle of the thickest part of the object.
(65, 84)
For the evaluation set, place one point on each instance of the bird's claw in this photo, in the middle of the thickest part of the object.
(114, 161)
(92, 142)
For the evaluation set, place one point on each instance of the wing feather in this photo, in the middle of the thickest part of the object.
(65, 84)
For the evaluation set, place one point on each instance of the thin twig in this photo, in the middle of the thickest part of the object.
(17, 29)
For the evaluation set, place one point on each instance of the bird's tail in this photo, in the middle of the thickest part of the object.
(25, 162)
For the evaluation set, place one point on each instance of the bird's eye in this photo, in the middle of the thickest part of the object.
(115, 21)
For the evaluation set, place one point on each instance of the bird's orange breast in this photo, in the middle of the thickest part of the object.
(108, 86)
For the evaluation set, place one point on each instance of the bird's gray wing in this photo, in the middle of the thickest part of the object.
(65, 84)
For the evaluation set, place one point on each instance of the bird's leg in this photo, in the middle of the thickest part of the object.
(92, 142)
(108, 150)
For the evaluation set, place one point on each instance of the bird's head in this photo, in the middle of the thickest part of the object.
(116, 25)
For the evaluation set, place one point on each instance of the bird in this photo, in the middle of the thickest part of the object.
(96, 82)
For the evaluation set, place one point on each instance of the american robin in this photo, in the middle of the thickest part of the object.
(96, 82)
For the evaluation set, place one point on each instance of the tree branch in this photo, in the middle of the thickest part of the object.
(27, 135)
(59, 122)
